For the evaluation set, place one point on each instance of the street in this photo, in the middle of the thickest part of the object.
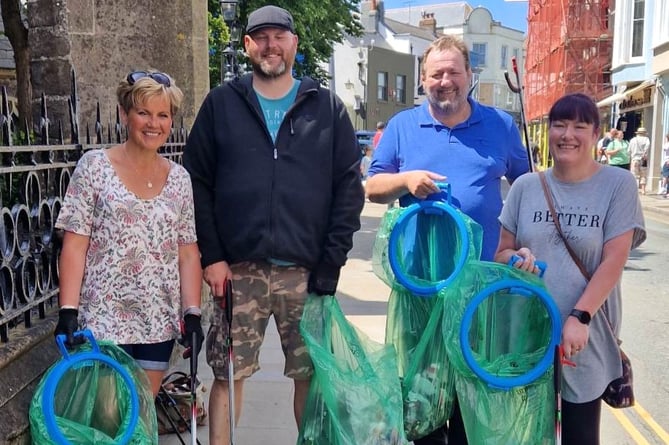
(646, 340)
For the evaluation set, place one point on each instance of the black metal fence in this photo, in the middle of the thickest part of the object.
(33, 180)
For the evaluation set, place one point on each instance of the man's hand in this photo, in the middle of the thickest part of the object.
(323, 280)
(67, 325)
(421, 183)
(216, 275)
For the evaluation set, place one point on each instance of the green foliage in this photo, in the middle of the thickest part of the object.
(319, 24)
(218, 36)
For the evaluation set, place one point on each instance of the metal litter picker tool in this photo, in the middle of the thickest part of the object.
(225, 303)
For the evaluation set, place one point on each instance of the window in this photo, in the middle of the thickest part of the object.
(504, 56)
(382, 86)
(400, 89)
(637, 28)
(516, 55)
(478, 55)
(661, 29)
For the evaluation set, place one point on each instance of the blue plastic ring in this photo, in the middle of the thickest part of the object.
(426, 206)
(540, 368)
(69, 361)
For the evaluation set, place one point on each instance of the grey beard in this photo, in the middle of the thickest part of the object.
(261, 70)
(445, 106)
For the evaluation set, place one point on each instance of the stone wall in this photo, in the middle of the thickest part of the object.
(102, 41)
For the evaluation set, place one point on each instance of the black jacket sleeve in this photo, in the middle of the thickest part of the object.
(347, 197)
(200, 160)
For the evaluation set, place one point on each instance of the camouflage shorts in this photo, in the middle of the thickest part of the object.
(261, 289)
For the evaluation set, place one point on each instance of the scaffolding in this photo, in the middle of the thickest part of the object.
(569, 46)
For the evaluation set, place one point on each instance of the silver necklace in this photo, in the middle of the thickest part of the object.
(149, 182)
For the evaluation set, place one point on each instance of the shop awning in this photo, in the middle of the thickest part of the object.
(617, 97)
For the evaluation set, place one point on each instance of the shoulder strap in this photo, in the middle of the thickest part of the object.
(551, 208)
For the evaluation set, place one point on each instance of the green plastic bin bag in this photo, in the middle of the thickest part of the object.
(428, 385)
(501, 336)
(355, 396)
(520, 416)
(91, 401)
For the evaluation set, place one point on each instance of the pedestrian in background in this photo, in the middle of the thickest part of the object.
(608, 223)
(380, 126)
(450, 137)
(617, 151)
(129, 265)
(665, 166)
(365, 162)
(276, 178)
(639, 150)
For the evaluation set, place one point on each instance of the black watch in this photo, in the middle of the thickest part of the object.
(582, 316)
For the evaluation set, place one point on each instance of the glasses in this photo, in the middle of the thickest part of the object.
(161, 78)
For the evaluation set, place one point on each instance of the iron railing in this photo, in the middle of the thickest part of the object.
(33, 180)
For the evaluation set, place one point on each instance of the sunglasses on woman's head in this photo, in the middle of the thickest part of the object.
(161, 78)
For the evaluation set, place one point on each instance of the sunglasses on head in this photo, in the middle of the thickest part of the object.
(161, 78)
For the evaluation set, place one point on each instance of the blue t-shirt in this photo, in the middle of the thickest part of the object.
(474, 155)
(274, 110)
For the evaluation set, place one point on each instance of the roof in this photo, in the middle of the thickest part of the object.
(446, 14)
(403, 28)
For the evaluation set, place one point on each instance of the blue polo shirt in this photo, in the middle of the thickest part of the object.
(474, 155)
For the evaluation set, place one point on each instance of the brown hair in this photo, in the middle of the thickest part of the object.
(129, 96)
(444, 43)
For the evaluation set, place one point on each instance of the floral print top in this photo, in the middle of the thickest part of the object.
(131, 289)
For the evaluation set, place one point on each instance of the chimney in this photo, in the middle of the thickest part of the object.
(428, 22)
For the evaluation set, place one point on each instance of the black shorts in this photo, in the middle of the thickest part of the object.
(151, 356)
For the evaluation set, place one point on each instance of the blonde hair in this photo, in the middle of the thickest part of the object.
(131, 95)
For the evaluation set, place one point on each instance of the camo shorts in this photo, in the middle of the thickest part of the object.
(261, 289)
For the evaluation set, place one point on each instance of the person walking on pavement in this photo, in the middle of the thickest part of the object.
(665, 166)
(639, 150)
(276, 179)
(618, 151)
(449, 137)
(380, 126)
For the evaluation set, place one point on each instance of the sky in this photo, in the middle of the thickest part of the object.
(509, 13)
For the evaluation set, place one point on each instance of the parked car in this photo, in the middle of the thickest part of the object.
(364, 138)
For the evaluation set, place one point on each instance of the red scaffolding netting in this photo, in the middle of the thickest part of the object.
(569, 45)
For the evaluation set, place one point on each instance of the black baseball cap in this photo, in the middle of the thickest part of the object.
(270, 17)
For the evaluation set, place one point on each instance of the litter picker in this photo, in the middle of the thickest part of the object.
(193, 390)
(517, 88)
(225, 303)
(557, 382)
(189, 353)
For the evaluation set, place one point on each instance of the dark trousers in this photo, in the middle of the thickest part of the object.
(452, 433)
(580, 422)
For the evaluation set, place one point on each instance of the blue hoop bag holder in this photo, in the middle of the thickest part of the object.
(501, 338)
(430, 243)
(94, 395)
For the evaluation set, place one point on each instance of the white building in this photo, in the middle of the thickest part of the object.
(379, 74)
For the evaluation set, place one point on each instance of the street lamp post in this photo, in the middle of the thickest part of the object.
(230, 67)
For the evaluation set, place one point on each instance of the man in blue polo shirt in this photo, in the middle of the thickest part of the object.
(450, 138)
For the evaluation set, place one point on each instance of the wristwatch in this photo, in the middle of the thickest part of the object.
(582, 316)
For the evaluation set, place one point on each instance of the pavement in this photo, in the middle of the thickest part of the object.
(267, 414)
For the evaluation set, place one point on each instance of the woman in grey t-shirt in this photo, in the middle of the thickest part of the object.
(600, 214)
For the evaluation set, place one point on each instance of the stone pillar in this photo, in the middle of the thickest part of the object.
(102, 41)
(51, 63)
